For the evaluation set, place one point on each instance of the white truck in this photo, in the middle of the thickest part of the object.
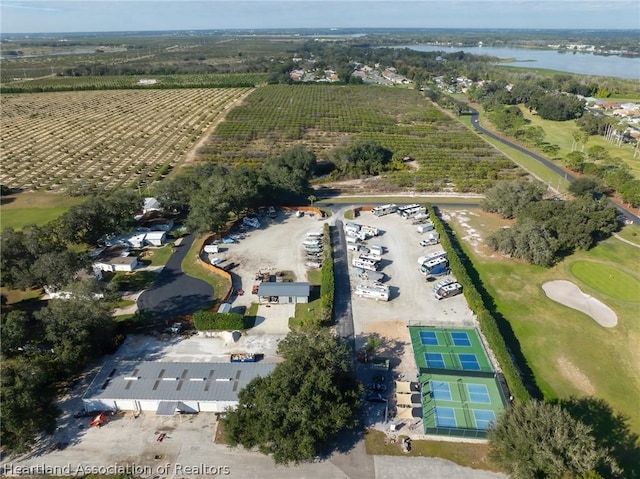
(376, 292)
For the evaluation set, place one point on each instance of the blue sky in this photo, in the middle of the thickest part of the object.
(124, 15)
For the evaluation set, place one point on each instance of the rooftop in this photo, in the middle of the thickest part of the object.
(174, 381)
(283, 289)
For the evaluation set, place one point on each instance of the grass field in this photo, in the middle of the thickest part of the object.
(101, 140)
(464, 454)
(322, 117)
(534, 167)
(191, 267)
(27, 208)
(559, 133)
(568, 352)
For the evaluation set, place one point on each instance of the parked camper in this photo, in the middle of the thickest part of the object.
(370, 257)
(412, 212)
(312, 242)
(384, 210)
(315, 234)
(402, 209)
(435, 267)
(365, 264)
(352, 240)
(420, 218)
(425, 227)
(372, 291)
(441, 283)
(376, 249)
(351, 227)
(352, 247)
(430, 256)
(211, 248)
(448, 291)
(372, 230)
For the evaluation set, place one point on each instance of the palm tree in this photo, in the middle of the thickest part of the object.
(311, 199)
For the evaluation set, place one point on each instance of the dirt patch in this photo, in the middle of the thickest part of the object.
(395, 343)
(576, 377)
(568, 294)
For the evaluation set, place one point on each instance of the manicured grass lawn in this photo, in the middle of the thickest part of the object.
(22, 209)
(191, 267)
(631, 233)
(465, 454)
(158, 256)
(607, 279)
(559, 133)
(134, 281)
(525, 161)
(568, 352)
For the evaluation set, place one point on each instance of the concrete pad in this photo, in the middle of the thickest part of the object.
(398, 467)
(568, 294)
(273, 318)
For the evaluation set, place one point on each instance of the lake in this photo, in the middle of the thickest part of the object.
(584, 63)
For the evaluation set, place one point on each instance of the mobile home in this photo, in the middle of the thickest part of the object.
(430, 256)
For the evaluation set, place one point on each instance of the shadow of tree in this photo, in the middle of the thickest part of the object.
(610, 431)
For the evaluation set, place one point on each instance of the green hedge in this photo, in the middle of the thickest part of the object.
(210, 321)
(327, 285)
(488, 323)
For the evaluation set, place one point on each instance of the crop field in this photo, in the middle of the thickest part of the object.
(82, 141)
(213, 80)
(322, 117)
(568, 352)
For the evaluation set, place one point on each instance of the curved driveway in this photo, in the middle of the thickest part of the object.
(174, 293)
(476, 124)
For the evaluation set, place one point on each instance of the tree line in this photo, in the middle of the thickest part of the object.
(547, 230)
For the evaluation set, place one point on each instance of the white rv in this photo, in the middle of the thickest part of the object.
(403, 208)
(373, 292)
(365, 264)
(448, 291)
(413, 212)
(425, 227)
(384, 209)
(430, 256)
(376, 249)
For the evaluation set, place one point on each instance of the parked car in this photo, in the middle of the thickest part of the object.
(376, 397)
(376, 387)
(228, 240)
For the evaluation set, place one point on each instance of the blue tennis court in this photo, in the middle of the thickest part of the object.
(440, 390)
(445, 417)
(478, 393)
(484, 419)
(429, 338)
(469, 362)
(460, 338)
(434, 360)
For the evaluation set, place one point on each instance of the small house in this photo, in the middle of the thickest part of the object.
(284, 293)
(115, 258)
(155, 238)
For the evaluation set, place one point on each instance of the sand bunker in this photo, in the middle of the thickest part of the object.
(568, 294)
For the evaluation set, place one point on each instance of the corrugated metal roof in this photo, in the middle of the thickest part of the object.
(151, 380)
(283, 289)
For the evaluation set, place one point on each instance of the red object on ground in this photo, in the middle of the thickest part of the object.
(99, 420)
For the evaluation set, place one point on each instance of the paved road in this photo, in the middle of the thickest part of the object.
(174, 293)
(555, 168)
(342, 298)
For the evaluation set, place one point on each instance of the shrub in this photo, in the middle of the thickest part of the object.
(209, 321)
(327, 285)
(488, 323)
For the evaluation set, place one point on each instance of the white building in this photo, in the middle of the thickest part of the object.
(166, 388)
